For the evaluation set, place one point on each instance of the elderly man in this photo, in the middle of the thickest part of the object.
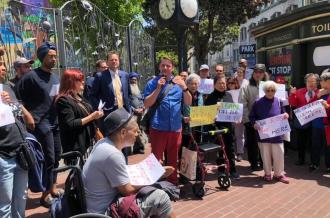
(244, 64)
(21, 66)
(219, 70)
(204, 71)
(103, 184)
(37, 90)
(166, 120)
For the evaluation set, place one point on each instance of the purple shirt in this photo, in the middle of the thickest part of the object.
(265, 108)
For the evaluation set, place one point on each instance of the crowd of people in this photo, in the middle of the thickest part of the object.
(104, 113)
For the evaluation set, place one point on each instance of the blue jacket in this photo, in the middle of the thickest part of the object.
(102, 88)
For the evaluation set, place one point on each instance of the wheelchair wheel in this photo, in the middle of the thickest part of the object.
(224, 181)
(198, 190)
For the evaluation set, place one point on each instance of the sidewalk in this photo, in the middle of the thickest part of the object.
(307, 195)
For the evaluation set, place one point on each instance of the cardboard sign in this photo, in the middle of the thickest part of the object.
(188, 163)
(146, 172)
(206, 86)
(280, 92)
(230, 112)
(203, 115)
(273, 126)
(310, 112)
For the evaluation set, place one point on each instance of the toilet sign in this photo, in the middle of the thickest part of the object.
(247, 49)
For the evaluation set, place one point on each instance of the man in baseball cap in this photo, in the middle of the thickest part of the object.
(204, 71)
(21, 66)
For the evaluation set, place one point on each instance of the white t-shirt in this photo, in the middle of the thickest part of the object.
(104, 170)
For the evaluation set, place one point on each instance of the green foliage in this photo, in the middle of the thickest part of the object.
(219, 24)
(120, 11)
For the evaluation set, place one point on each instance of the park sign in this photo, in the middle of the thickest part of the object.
(273, 126)
(310, 111)
(230, 112)
(247, 49)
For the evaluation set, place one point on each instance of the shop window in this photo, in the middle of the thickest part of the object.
(243, 33)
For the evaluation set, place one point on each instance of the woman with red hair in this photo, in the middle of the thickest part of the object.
(76, 117)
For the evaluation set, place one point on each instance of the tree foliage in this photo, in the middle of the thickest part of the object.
(120, 11)
(218, 24)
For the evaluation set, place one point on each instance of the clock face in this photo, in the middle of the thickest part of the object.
(166, 8)
(189, 8)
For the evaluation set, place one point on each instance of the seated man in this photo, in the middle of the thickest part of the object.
(105, 174)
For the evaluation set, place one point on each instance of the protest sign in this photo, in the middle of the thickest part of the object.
(280, 92)
(234, 94)
(188, 163)
(206, 86)
(203, 115)
(6, 115)
(146, 172)
(310, 112)
(273, 126)
(230, 112)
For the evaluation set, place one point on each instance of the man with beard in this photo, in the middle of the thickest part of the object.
(37, 90)
(138, 109)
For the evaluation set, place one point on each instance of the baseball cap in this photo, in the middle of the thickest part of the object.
(260, 67)
(21, 60)
(116, 119)
(204, 67)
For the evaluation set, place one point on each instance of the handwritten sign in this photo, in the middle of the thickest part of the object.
(310, 112)
(146, 172)
(203, 115)
(206, 86)
(280, 92)
(188, 163)
(230, 112)
(273, 126)
(234, 94)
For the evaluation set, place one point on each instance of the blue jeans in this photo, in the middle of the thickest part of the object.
(13, 189)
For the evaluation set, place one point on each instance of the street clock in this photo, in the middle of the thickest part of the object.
(166, 8)
(189, 8)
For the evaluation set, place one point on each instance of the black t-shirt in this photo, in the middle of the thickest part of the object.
(37, 90)
(12, 135)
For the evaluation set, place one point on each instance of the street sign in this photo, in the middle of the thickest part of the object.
(247, 49)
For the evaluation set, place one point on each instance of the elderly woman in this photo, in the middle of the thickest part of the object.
(76, 117)
(220, 95)
(248, 95)
(299, 98)
(271, 149)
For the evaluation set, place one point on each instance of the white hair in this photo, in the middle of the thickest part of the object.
(192, 77)
(269, 84)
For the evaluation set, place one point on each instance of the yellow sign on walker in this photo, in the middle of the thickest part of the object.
(203, 115)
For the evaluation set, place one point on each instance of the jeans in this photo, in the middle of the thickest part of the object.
(13, 189)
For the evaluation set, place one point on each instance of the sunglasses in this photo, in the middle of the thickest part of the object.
(231, 83)
(219, 71)
(270, 90)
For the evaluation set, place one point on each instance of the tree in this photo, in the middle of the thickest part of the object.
(218, 25)
(120, 11)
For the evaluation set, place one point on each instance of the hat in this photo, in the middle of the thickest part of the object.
(204, 67)
(43, 50)
(260, 67)
(134, 74)
(21, 60)
(116, 119)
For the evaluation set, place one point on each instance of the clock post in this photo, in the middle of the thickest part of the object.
(178, 15)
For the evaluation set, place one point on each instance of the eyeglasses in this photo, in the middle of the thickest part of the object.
(270, 90)
(218, 70)
(231, 83)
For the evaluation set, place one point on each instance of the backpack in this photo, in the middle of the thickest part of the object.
(73, 201)
(37, 180)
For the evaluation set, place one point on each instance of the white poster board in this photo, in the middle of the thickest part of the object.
(6, 115)
(280, 92)
(234, 94)
(188, 163)
(273, 126)
(230, 112)
(147, 172)
(206, 86)
(310, 112)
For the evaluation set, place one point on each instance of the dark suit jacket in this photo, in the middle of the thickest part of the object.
(102, 88)
(74, 136)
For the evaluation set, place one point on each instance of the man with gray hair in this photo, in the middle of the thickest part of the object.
(103, 184)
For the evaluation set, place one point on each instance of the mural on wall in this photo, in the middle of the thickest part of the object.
(23, 27)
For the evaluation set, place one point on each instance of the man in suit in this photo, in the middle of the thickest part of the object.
(112, 87)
